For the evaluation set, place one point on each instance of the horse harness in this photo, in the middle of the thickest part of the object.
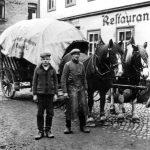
(94, 65)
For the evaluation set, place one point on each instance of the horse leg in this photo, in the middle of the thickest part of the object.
(102, 105)
(121, 107)
(90, 105)
(90, 102)
(112, 104)
(135, 117)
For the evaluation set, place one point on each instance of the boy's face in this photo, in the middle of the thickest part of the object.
(45, 60)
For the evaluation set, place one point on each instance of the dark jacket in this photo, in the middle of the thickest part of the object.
(74, 75)
(45, 81)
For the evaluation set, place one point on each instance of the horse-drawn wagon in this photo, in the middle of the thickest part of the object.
(22, 43)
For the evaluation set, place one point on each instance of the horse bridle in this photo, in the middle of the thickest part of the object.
(110, 68)
(141, 68)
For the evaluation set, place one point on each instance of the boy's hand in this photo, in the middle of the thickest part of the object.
(56, 96)
(66, 95)
(35, 98)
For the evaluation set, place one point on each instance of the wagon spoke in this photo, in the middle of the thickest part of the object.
(6, 89)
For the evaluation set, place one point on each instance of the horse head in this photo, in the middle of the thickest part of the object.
(109, 58)
(137, 60)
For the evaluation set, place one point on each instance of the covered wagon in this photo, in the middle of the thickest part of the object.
(22, 43)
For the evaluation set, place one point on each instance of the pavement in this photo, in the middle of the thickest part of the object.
(18, 128)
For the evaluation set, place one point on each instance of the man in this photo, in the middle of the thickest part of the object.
(45, 85)
(74, 86)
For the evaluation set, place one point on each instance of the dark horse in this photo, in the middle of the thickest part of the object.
(101, 69)
(135, 68)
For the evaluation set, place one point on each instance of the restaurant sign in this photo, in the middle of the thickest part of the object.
(121, 19)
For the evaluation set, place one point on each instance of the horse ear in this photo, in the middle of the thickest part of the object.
(135, 48)
(145, 45)
(101, 42)
(110, 43)
(132, 40)
(120, 43)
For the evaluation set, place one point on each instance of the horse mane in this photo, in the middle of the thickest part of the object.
(143, 53)
(140, 48)
(128, 53)
(100, 50)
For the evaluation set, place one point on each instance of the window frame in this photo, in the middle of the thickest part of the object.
(3, 11)
(70, 4)
(94, 32)
(32, 6)
(125, 29)
(53, 8)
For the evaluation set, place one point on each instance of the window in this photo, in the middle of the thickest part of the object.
(93, 38)
(51, 5)
(2, 9)
(125, 34)
(70, 3)
(32, 10)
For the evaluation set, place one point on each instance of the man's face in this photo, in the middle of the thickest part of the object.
(76, 56)
(45, 60)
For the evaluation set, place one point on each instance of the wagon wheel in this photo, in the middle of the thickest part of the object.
(7, 83)
(60, 103)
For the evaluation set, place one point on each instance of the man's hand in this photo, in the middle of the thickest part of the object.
(56, 96)
(35, 98)
(66, 95)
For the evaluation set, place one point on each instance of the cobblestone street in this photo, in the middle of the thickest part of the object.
(18, 127)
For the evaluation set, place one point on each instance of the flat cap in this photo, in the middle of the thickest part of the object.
(74, 51)
(45, 54)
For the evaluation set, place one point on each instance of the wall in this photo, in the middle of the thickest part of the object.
(15, 10)
(140, 19)
(82, 6)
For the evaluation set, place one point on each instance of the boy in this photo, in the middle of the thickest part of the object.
(45, 86)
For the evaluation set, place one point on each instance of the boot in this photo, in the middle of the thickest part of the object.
(82, 120)
(49, 134)
(68, 131)
(68, 127)
(39, 135)
(85, 130)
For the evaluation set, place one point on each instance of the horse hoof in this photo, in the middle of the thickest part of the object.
(112, 110)
(135, 119)
(90, 119)
(103, 118)
(90, 124)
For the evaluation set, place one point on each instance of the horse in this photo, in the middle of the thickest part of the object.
(135, 68)
(101, 69)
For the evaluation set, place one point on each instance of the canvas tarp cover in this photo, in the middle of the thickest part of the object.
(36, 36)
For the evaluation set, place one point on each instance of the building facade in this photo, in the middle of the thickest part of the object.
(117, 20)
(12, 11)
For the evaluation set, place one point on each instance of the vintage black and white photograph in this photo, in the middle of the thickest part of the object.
(74, 75)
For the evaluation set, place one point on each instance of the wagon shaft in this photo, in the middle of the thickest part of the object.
(129, 86)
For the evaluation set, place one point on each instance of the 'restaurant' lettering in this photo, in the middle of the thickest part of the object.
(121, 19)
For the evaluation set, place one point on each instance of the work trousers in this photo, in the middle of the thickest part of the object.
(76, 106)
